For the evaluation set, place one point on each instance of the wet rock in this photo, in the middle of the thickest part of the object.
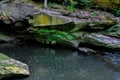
(12, 12)
(87, 50)
(110, 59)
(103, 41)
(12, 68)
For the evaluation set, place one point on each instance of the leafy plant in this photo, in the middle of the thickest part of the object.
(85, 3)
(71, 5)
(44, 35)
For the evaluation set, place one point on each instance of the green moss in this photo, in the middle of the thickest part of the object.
(4, 57)
(43, 20)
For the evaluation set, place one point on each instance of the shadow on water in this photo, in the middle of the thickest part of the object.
(15, 77)
(59, 64)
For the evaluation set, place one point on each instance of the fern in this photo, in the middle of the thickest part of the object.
(44, 35)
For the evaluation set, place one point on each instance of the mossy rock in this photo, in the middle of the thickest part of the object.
(11, 68)
(54, 37)
(52, 22)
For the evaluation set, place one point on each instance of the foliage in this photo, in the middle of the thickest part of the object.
(71, 5)
(85, 3)
(55, 6)
(115, 28)
(116, 12)
(44, 35)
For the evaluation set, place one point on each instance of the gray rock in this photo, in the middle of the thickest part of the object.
(11, 67)
(101, 40)
(12, 12)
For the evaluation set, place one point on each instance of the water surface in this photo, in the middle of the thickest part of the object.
(59, 64)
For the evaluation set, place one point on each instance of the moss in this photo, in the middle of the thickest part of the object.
(10, 67)
(44, 19)
(15, 69)
(4, 57)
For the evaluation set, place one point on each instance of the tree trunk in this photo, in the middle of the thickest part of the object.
(45, 3)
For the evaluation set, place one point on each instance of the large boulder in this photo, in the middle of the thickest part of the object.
(53, 22)
(12, 12)
(51, 28)
(102, 41)
(12, 68)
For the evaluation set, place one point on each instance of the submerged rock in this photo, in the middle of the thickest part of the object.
(12, 68)
(101, 40)
(110, 59)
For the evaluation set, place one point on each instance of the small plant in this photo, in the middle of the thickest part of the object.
(71, 5)
(85, 3)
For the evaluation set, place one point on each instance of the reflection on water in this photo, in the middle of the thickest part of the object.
(60, 64)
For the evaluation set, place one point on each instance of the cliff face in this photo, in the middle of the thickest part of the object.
(108, 3)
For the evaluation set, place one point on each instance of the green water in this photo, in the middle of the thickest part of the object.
(59, 64)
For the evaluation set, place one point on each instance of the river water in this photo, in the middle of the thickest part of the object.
(59, 64)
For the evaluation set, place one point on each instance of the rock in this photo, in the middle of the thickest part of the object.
(87, 50)
(52, 22)
(12, 12)
(110, 59)
(92, 20)
(12, 68)
(5, 38)
(102, 41)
